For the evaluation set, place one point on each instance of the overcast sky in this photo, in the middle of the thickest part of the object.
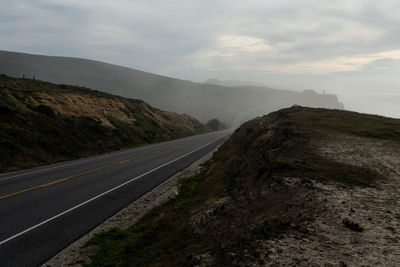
(350, 48)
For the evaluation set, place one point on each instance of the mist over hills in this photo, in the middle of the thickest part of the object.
(204, 101)
(232, 83)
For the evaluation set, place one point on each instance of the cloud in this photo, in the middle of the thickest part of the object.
(187, 38)
(278, 36)
(383, 65)
(352, 45)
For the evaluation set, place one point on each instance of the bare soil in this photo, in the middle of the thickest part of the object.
(79, 104)
(376, 209)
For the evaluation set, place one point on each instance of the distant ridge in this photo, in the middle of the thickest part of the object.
(232, 83)
(232, 105)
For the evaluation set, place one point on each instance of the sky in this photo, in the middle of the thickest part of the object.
(349, 48)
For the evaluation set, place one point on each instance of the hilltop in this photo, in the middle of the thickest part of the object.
(300, 186)
(42, 123)
(232, 83)
(231, 105)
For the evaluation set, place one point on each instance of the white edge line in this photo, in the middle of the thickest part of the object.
(66, 164)
(102, 194)
(42, 170)
(75, 162)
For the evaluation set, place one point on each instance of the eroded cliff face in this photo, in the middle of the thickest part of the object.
(82, 104)
(182, 121)
(101, 108)
(41, 123)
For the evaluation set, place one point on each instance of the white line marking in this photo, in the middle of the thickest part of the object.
(47, 169)
(79, 161)
(102, 194)
(76, 162)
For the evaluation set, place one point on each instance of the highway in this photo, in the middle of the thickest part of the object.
(43, 210)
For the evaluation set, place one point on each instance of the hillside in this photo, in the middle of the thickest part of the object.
(203, 101)
(298, 187)
(41, 123)
(232, 83)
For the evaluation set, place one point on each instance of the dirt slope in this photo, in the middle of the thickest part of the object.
(81, 104)
(41, 123)
(301, 186)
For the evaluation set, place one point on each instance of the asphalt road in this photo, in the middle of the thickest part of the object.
(44, 210)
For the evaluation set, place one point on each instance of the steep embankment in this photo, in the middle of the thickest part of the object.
(300, 186)
(42, 123)
(203, 101)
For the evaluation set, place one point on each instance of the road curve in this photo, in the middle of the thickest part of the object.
(43, 210)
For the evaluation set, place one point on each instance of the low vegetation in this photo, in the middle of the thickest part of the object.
(174, 240)
(352, 225)
(33, 132)
(216, 125)
(242, 196)
(316, 122)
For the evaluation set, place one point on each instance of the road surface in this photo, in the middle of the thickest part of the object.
(43, 210)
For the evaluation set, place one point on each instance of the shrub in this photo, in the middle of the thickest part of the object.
(45, 110)
(352, 225)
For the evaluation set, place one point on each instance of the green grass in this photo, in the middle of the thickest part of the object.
(30, 85)
(314, 167)
(163, 235)
(312, 120)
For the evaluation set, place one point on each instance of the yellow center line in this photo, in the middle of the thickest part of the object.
(82, 173)
(64, 179)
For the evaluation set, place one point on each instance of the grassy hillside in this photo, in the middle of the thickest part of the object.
(266, 192)
(41, 123)
(203, 101)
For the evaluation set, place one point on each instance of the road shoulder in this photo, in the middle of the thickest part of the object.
(76, 254)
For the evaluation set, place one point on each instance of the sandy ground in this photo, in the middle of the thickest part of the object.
(76, 254)
(376, 209)
(80, 104)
